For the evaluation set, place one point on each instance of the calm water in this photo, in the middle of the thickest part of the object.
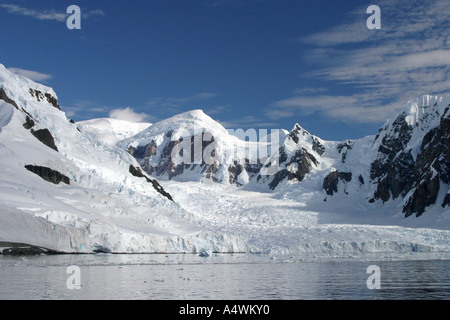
(219, 277)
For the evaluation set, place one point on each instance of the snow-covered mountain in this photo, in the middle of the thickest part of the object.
(186, 184)
(413, 159)
(408, 160)
(192, 146)
(63, 190)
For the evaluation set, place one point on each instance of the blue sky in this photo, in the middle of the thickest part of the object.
(247, 63)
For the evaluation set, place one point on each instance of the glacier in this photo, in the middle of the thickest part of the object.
(105, 208)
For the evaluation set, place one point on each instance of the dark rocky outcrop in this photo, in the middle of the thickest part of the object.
(344, 147)
(305, 162)
(361, 179)
(331, 181)
(142, 152)
(48, 174)
(42, 97)
(432, 167)
(393, 169)
(425, 194)
(446, 201)
(137, 172)
(236, 169)
(52, 100)
(22, 249)
(29, 123)
(397, 174)
(5, 98)
(318, 147)
(101, 249)
(44, 136)
(234, 172)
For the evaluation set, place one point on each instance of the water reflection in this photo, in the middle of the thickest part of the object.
(219, 277)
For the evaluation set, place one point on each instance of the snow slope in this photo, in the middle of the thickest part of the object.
(111, 131)
(273, 224)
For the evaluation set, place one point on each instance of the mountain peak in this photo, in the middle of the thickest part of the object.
(194, 113)
(17, 86)
(418, 108)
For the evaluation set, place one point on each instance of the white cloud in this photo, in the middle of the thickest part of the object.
(92, 13)
(47, 14)
(128, 114)
(358, 108)
(218, 110)
(37, 14)
(378, 70)
(32, 75)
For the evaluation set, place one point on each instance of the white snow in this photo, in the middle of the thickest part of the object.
(416, 109)
(271, 223)
(110, 131)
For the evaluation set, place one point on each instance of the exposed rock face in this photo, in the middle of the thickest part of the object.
(21, 249)
(398, 172)
(344, 147)
(44, 136)
(446, 201)
(5, 98)
(318, 147)
(432, 167)
(302, 163)
(42, 97)
(48, 174)
(137, 172)
(330, 183)
(394, 166)
(29, 123)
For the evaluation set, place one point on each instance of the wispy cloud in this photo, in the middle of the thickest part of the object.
(182, 101)
(37, 14)
(380, 70)
(173, 105)
(357, 108)
(32, 75)
(92, 13)
(220, 3)
(247, 122)
(45, 14)
(86, 109)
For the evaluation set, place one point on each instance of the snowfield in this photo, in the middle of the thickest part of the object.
(111, 131)
(270, 223)
(105, 208)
